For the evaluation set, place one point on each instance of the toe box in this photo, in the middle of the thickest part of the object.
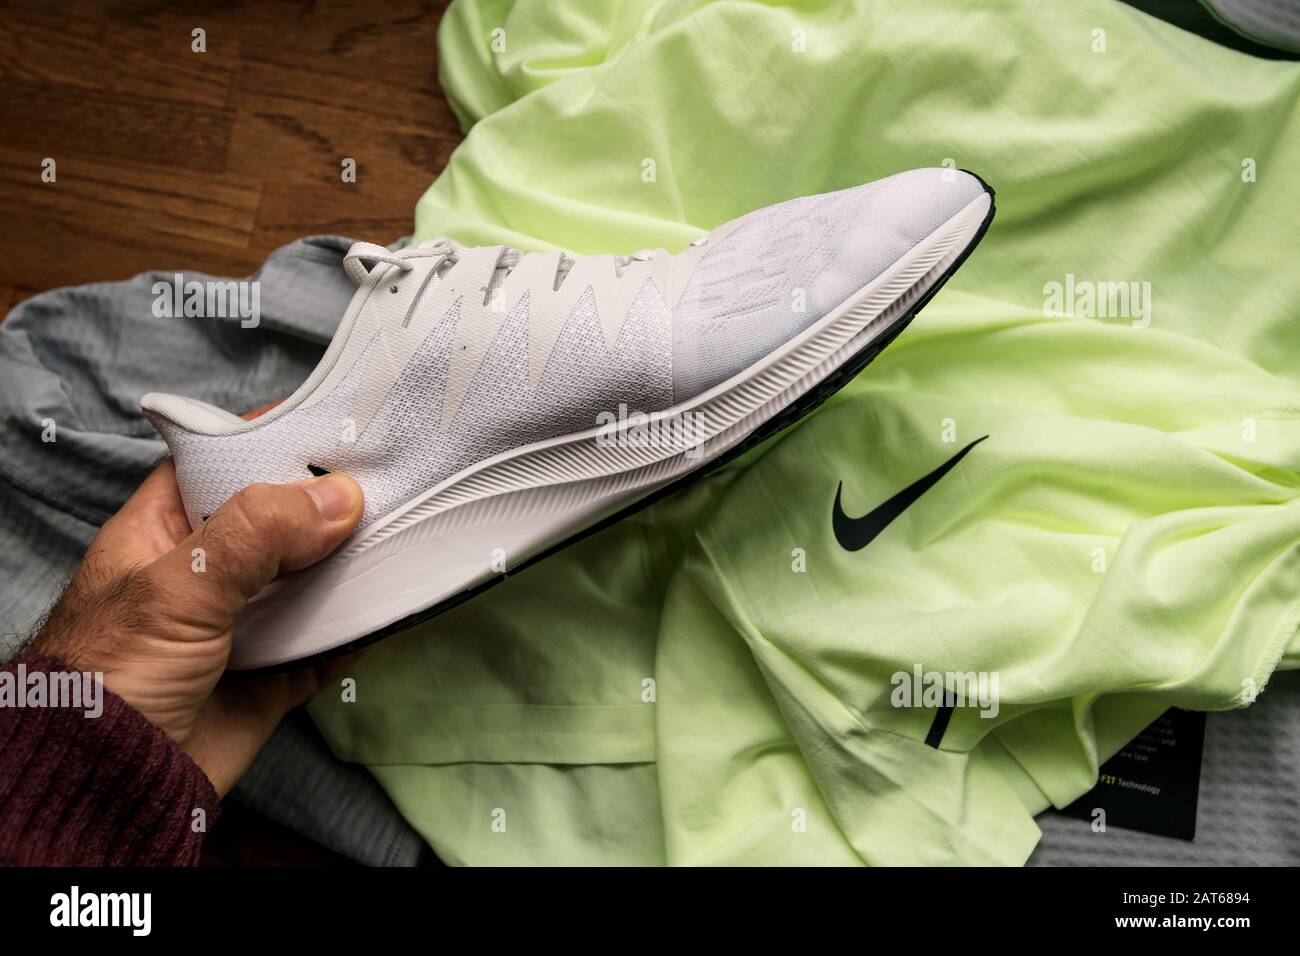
(778, 270)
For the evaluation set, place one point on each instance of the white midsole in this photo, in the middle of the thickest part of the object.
(496, 515)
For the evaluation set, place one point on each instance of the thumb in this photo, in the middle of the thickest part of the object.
(261, 532)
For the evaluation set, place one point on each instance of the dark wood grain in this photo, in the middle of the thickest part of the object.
(65, 51)
(168, 158)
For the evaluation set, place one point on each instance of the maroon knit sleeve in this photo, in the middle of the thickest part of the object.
(79, 790)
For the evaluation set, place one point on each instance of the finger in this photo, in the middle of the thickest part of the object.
(261, 532)
(235, 723)
(158, 491)
(149, 524)
(244, 710)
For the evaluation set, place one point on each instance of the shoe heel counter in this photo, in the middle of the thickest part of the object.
(171, 435)
(211, 468)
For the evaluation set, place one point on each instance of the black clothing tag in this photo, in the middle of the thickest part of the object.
(1152, 784)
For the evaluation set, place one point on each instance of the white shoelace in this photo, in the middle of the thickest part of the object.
(354, 263)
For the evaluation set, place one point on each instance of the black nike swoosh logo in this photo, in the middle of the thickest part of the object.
(854, 534)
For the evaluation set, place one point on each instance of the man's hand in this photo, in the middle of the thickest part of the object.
(153, 604)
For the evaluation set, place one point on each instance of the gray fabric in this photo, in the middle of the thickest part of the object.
(296, 781)
(82, 357)
(1273, 22)
(1249, 809)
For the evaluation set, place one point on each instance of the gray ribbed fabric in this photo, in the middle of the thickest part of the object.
(1249, 808)
(82, 357)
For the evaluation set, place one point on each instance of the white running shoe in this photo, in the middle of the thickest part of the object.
(496, 405)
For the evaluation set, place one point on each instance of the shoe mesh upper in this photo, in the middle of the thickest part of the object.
(786, 266)
(402, 452)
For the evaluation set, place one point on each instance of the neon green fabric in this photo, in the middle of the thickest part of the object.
(711, 680)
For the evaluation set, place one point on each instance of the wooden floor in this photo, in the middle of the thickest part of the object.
(167, 158)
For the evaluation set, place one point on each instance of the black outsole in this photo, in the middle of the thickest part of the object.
(796, 410)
